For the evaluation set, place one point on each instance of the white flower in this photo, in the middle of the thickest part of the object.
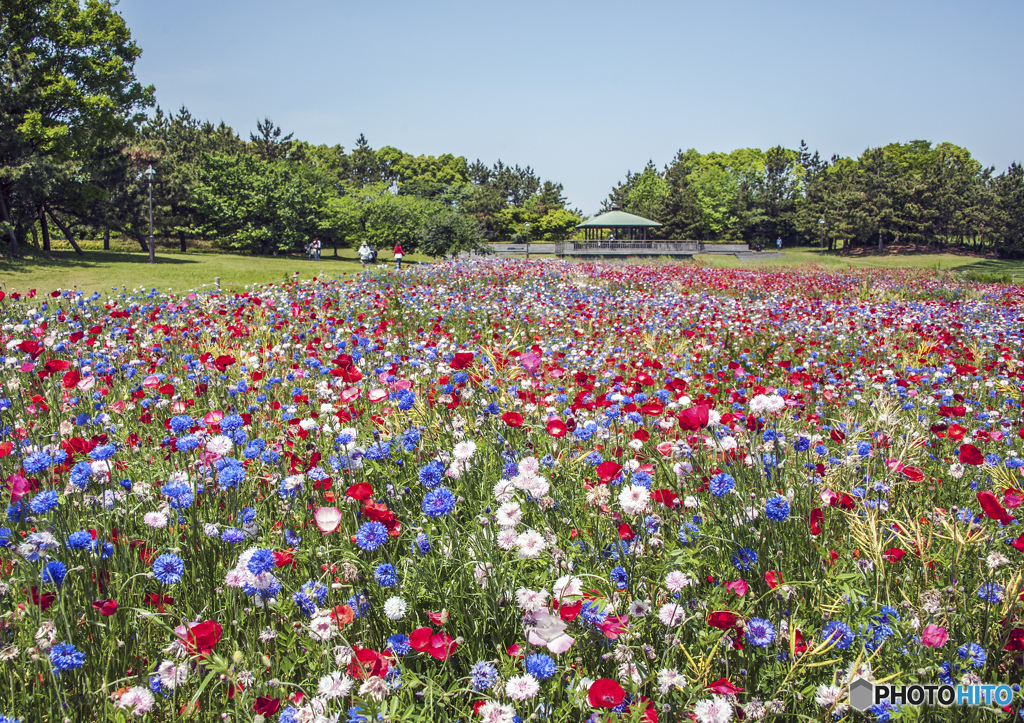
(670, 614)
(335, 685)
(322, 627)
(771, 404)
(156, 520)
(530, 601)
(995, 559)
(677, 580)
(491, 712)
(638, 608)
(716, 710)
(138, 699)
(669, 678)
(507, 538)
(394, 608)
(522, 687)
(567, 586)
(548, 631)
(530, 543)
(219, 445)
(509, 514)
(634, 499)
(827, 695)
(171, 675)
(375, 687)
(504, 490)
(464, 451)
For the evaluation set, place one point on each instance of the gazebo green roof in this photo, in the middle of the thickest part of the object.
(617, 219)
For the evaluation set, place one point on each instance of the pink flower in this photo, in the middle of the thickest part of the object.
(548, 632)
(327, 519)
(934, 636)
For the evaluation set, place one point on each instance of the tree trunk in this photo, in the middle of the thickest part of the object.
(35, 236)
(67, 234)
(106, 239)
(143, 244)
(879, 240)
(45, 229)
(181, 237)
(7, 219)
(335, 247)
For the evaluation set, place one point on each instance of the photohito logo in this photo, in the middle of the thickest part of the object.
(864, 694)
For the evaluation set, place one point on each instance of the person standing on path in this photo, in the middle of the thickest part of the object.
(399, 254)
(365, 255)
(314, 249)
(778, 243)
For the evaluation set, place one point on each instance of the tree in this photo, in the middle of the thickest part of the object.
(268, 142)
(68, 88)
(449, 233)
(648, 195)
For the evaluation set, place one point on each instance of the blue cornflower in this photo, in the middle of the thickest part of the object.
(721, 484)
(686, 531)
(619, 577)
(974, 654)
(44, 502)
(801, 444)
(103, 452)
(378, 451)
(882, 711)
(540, 666)
(864, 449)
(439, 502)
(990, 592)
(232, 422)
(232, 535)
(247, 515)
(168, 569)
(231, 475)
(744, 558)
(385, 575)
(261, 561)
(839, 632)
(399, 644)
(181, 423)
(760, 632)
(253, 449)
(642, 479)
(777, 508)
(81, 474)
(431, 474)
(187, 443)
(422, 543)
(291, 538)
(592, 614)
(79, 540)
(410, 438)
(482, 676)
(63, 656)
(37, 462)
(54, 572)
(371, 535)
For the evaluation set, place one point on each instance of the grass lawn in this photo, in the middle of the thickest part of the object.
(101, 270)
(935, 262)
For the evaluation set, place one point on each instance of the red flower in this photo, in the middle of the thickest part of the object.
(693, 418)
(106, 607)
(969, 454)
(1016, 641)
(361, 491)
(556, 428)
(284, 558)
(438, 645)
(894, 554)
(723, 619)
(203, 638)
(1019, 543)
(368, 664)
(605, 693)
(266, 706)
(666, 497)
(773, 578)
(626, 532)
(739, 587)
(462, 360)
(608, 470)
(512, 419)
(568, 612)
(724, 687)
(993, 510)
(814, 521)
(44, 601)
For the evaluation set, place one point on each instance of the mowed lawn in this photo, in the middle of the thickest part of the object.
(103, 270)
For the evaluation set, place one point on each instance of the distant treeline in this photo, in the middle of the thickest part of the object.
(915, 193)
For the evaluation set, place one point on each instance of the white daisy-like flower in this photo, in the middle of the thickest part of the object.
(464, 451)
(394, 608)
(491, 712)
(509, 514)
(716, 710)
(529, 465)
(322, 628)
(671, 614)
(531, 601)
(138, 700)
(335, 685)
(507, 538)
(634, 499)
(220, 445)
(995, 559)
(522, 687)
(171, 675)
(531, 544)
(638, 608)
(375, 687)
(827, 695)
(677, 580)
(567, 586)
(156, 520)
(670, 678)
(504, 490)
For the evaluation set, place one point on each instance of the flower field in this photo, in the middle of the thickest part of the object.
(511, 491)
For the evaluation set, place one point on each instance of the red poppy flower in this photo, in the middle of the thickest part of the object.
(666, 497)
(992, 509)
(724, 687)
(368, 664)
(739, 587)
(894, 554)
(605, 693)
(814, 520)
(361, 491)
(568, 612)
(969, 454)
(773, 578)
(512, 419)
(203, 638)
(1019, 543)
(608, 470)
(723, 619)
(626, 532)
(265, 706)
(556, 428)
(106, 607)
(462, 360)
(694, 418)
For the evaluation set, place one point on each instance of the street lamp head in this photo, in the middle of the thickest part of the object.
(821, 222)
(149, 172)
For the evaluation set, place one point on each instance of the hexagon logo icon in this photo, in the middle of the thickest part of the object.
(862, 694)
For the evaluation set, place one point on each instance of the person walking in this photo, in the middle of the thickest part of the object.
(314, 248)
(399, 254)
(365, 255)
(778, 243)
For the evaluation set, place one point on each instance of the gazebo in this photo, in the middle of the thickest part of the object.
(635, 226)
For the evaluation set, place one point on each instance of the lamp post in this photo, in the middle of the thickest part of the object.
(527, 227)
(149, 173)
(821, 236)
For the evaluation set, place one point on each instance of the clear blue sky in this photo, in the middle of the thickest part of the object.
(584, 91)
